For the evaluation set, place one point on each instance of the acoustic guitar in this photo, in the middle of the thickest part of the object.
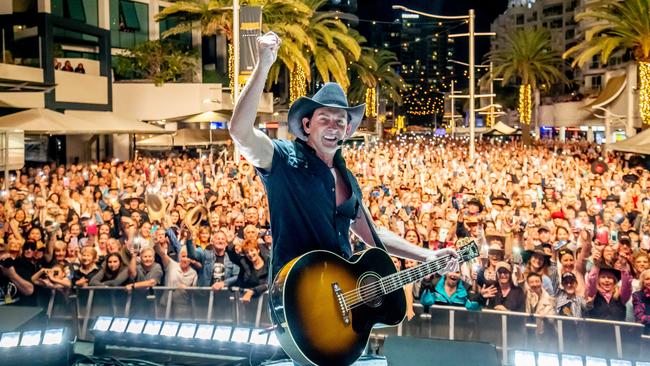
(324, 306)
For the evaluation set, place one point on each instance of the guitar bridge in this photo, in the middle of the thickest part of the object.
(345, 313)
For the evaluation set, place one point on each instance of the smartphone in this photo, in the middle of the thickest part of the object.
(613, 236)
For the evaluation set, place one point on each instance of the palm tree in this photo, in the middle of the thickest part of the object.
(527, 57)
(618, 25)
(287, 18)
(375, 69)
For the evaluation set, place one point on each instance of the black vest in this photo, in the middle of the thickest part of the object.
(614, 310)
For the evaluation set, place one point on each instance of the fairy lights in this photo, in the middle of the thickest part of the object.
(371, 103)
(644, 91)
(297, 83)
(525, 107)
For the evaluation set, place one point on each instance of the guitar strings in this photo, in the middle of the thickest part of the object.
(368, 293)
(371, 291)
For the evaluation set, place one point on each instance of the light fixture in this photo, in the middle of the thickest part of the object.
(240, 335)
(620, 363)
(9, 339)
(102, 323)
(135, 326)
(548, 359)
(53, 337)
(595, 361)
(152, 327)
(187, 330)
(222, 333)
(31, 338)
(524, 358)
(259, 336)
(119, 325)
(204, 332)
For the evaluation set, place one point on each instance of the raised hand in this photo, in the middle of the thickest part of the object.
(267, 48)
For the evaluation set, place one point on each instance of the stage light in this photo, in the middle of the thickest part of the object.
(259, 336)
(169, 329)
(620, 363)
(153, 327)
(53, 337)
(273, 340)
(135, 326)
(31, 338)
(642, 363)
(119, 325)
(222, 333)
(9, 339)
(103, 323)
(524, 358)
(571, 360)
(595, 361)
(204, 332)
(548, 359)
(187, 330)
(240, 335)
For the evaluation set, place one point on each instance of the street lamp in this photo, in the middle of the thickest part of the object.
(472, 77)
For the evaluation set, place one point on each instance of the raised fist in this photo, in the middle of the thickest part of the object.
(267, 47)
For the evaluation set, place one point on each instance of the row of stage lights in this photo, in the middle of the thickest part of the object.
(173, 329)
(529, 358)
(49, 337)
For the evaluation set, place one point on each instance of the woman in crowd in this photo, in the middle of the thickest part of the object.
(253, 268)
(508, 296)
(641, 301)
(113, 273)
(606, 297)
(88, 268)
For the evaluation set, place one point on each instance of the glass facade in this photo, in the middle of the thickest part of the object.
(82, 10)
(129, 23)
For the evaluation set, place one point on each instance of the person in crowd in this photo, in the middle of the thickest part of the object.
(641, 301)
(450, 290)
(67, 66)
(148, 272)
(114, 272)
(88, 267)
(569, 301)
(508, 297)
(253, 268)
(80, 68)
(607, 298)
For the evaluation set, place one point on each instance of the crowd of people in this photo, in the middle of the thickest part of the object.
(556, 236)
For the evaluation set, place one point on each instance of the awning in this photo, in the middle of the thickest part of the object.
(612, 90)
(40, 120)
(637, 144)
(109, 122)
(205, 117)
(502, 129)
(20, 86)
(185, 137)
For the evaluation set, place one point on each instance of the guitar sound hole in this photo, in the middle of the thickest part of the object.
(370, 290)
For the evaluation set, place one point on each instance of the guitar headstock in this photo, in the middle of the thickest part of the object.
(466, 249)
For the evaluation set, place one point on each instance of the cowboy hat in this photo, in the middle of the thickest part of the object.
(156, 206)
(330, 95)
(527, 254)
(194, 217)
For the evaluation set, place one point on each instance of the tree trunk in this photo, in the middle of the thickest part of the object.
(526, 139)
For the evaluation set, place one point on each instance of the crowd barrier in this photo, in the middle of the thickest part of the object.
(507, 330)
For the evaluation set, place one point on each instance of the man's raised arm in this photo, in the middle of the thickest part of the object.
(253, 144)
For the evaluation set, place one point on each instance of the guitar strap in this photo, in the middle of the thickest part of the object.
(371, 225)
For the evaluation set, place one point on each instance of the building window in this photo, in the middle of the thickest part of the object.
(520, 19)
(129, 23)
(595, 62)
(596, 82)
(557, 23)
(85, 11)
(552, 10)
(569, 34)
(183, 40)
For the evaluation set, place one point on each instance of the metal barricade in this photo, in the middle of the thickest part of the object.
(507, 330)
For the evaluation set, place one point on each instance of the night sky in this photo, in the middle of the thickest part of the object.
(486, 12)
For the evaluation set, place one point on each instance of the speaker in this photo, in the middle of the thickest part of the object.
(18, 318)
(427, 351)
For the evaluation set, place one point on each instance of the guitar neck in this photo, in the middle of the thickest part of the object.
(400, 279)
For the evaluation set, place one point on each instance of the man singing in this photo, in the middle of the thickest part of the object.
(313, 198)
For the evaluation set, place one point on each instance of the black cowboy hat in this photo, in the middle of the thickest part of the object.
(613, 271)
(477, 202)
(330, 95)
(630, 178)
(527, 254)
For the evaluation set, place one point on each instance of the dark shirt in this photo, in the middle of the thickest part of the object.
(514, 301)
(301, 193)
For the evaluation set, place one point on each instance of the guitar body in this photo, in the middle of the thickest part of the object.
(305, 307)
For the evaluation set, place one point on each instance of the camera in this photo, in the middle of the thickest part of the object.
(7, 262)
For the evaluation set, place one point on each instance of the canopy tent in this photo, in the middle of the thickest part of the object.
(112, 123)
(502, 129)
(205, 117)
(46, 121)
(40, 120)
(612, 90)
(637, 144)
(185, 137)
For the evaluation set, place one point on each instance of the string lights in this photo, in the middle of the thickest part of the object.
(423, 101)
(371, 102)
(644, 91)
(297, 84)
(231, 66)
(525, 107)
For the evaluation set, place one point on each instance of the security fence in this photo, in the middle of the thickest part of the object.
(507, 330)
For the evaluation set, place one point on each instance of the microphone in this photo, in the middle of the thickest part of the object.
(339, 142)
